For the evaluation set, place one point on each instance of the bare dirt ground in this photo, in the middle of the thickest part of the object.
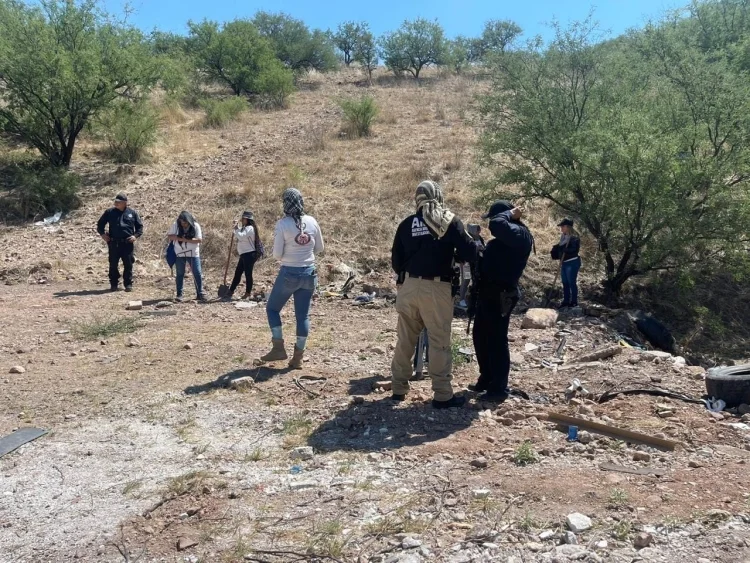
(153, 456)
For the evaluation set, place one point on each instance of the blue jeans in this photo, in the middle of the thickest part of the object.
(299, 283)
(195, 266)
(569, 275)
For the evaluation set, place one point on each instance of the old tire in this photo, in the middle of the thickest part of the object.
(731, 384)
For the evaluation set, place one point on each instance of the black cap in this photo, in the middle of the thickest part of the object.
(497, 208)
(565, 223)
(121, 197)
(248, 215)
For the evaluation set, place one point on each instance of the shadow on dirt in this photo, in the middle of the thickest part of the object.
(385, 425)
(364, 386)
(260, 375)
(82, 293)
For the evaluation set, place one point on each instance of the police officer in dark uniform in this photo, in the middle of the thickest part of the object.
(422, 257)
(124, 226)
(498, 272)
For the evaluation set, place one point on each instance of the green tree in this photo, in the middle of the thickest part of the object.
(366, 53)
(458, 54)
(346, 38)
(496, 37)
(61, 64)
(646, 140)
(414, 46)
(236, 55)
(295, 45)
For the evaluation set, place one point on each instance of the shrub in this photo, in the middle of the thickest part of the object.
(220, 112)
(130, 128)
(36, 190)
(359, 116)
(274, 86)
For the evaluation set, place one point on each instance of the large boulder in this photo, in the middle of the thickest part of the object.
(539, 318)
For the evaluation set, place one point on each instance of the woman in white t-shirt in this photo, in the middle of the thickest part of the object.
(297, 241)
(186, 234)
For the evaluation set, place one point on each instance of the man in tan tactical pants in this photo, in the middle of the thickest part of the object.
(424, 303)
(422, 258)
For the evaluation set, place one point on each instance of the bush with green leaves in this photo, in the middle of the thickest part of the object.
(359, 115)
(295, 44)
(61, 64)
(415, 45)
(644, 139)
(219, 113)
(366, 53)
(274, 88)
(35, 189)
(236, 54)
(130, 128)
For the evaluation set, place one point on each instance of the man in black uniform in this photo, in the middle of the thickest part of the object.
(422, 258)
(125, 226)
(499, 269)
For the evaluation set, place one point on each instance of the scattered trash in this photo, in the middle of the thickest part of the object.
(715, 405)
(613, 431)
(49, 220)
(655, 391)
(312, 379)
(19, 438)
(572, 433)
(349, 283)
(366, 298)
(730, 384)
(575, 388)
(296, 470)
(560, 351)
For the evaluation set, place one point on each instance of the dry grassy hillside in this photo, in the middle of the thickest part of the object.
(358, 189)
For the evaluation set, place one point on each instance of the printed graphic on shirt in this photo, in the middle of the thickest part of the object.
(303, 239)
(418, 228)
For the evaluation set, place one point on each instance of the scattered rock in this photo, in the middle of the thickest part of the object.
(535, 547)
(602, 544)
(303, 453)
(529, 347)
(571, 551)
(134, 305)
(539, 319)
(641, 456)
(480, 493)
(163, 304)
(299, 485)
(717, 514)
(743, 409)
(383, 385)
(480, 462)
(547, 534)
(695, 464)
(242, 383)
(656, 378)
(410, 543)
(696, 371)
(378, 350)
(132, 342)
(374, 457)
(642, 540)
(578, 522)
(570, 538)
(188, 346)
(17, 369)
(185, 543)
(585, 437)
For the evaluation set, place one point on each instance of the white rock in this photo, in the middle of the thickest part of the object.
(602, 544)
(539, 319)
(585, 437)
(657, 354)
(679, 361)
(578, 522)
(570, 538)
(17, 369)
(547, 534)
(134, 305)
(242, 383)
(529, 347)
(303, 485)
(480, 493)
(303, 453)
(410, 543)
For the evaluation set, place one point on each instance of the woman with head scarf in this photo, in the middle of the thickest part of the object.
(248, 247)
(186, 234)
(297, 241)
(566, 251)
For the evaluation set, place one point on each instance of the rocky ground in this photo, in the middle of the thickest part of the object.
(154, 454)
(167, 442)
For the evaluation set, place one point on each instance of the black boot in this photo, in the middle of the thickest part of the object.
(453, 402)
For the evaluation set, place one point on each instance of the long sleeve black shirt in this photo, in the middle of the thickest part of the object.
(506, 255)
(416, 251)
(122, 224)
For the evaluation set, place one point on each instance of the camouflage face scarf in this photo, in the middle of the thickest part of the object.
(429, 199)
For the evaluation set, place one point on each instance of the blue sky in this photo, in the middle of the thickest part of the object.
(464, 17)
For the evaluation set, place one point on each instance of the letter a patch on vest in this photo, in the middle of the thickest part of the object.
(418, 228)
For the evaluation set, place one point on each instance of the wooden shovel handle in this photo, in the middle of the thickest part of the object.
(229, 257)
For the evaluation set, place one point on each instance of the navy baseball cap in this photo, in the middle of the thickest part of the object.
(497, 208)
